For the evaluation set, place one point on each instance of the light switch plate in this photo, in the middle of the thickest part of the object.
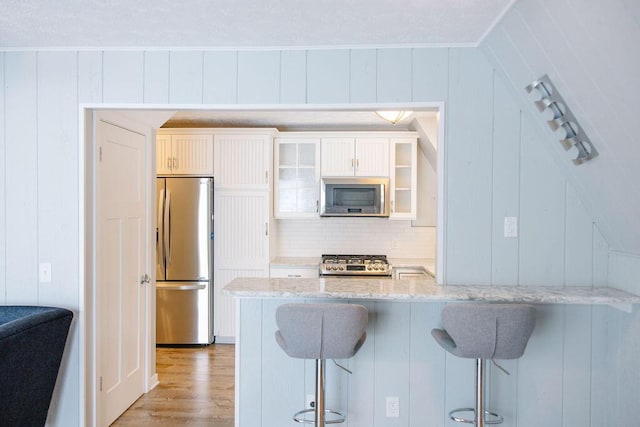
(510, 226)
(45, 272)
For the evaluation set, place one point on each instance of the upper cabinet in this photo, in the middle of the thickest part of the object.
(355, 156)
(403, 178)
(243, 158)
(184, 154)
(297, 176)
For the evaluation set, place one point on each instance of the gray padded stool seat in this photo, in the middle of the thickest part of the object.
(481, 332)
(320, 332)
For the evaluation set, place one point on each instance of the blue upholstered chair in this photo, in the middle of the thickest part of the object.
(484, 332)
(320, 332)
(32, 341)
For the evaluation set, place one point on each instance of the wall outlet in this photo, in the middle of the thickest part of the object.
(394, 244)
(45, 272)
(393, 406)
(310, 402)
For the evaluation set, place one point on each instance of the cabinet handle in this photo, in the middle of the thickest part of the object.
(175, 163)
(169, 163)
(393, 208)
(266, 177)
(317, 206)
(266, 228)
(352, 163)
(294, 275)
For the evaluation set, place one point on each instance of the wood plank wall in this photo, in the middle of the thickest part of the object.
(493, 161)
(588, 50)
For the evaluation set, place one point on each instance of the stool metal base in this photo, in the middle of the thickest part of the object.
(498, 419)
(478, 412)
(319, 411)
(300, 417)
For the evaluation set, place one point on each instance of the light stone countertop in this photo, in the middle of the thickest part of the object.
(421, 290)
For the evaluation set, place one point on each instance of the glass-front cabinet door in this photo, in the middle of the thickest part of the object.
(297, 177)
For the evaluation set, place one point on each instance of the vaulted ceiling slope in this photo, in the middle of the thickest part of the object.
(589, 49)
(245, 23)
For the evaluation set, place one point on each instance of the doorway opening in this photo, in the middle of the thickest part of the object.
(428, 122)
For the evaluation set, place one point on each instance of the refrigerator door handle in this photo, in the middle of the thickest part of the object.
(183, 287)
(167, 229)
(160, 231)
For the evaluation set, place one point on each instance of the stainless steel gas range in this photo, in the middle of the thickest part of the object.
(355, 266)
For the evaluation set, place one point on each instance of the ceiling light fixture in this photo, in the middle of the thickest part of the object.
(394, 117)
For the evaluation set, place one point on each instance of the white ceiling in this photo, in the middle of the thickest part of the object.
(245, 23)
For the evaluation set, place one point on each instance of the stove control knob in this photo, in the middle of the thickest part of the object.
(342, 268)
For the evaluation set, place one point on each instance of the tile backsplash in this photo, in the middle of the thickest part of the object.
(306, 238)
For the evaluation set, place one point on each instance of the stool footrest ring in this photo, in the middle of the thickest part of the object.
(497, 419)
(299, 416)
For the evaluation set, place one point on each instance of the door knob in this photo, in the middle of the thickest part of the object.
(145, 279)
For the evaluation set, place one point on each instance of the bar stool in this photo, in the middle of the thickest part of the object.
(320, 332)
(481, 332)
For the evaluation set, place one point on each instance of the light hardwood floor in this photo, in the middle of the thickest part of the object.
(196, 389)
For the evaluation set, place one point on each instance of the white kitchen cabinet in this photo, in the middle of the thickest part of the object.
(299, 272)
(184, 154)
(243, 157)
(242, 230)
(297, 177)
(355, 156)
(403, 178)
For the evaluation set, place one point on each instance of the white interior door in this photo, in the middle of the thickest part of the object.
(121, 261)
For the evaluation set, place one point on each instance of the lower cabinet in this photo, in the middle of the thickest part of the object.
(306, 272)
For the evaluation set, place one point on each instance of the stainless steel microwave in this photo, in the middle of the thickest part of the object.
(354, 197)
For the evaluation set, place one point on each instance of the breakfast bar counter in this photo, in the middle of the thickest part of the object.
(399, 358)
(421, 290)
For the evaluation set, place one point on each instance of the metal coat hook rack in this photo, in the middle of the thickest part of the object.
(563, 119)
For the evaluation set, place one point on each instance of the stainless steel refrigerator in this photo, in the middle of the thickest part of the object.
(184, 267)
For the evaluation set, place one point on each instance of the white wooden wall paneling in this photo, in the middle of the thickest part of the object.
(600, 266)
(249, 366)
(90, 76)
(392, 349)
(156, 77)
(541, 40)
(328, 76)
(220, 79)
(426, 404)
(293, 77)
(430, 74)
(362, 391)
(186, 77)
(627, 365)
(258, 77)
(576, 387)
(540, 371)
(600, 378)
(542, 215)
(3, 180)
(21, 175)
(505, 184)
(579, 256)
(624, 272)
(363, 75)
(469, 166)
(123, 76)
(604, 96)
(57, 206)
(394, 75)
